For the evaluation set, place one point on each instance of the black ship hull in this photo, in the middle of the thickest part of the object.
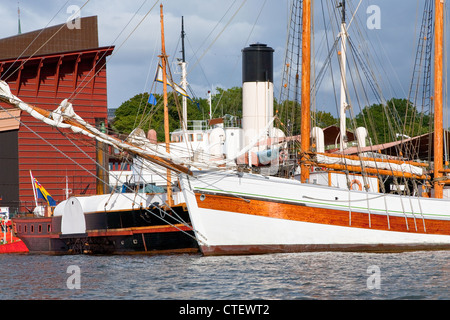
(138, 231)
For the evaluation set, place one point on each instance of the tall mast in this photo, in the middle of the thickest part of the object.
(183, 76)
(163, 57)
(305, 88)
(438, 97)
(343, 64)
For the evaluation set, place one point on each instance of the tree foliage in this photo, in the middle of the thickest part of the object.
(137, 112)
(396, 117)
(227, 102)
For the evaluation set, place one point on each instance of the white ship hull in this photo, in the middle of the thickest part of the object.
(234, 214)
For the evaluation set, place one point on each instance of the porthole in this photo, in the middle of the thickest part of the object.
(202, 197)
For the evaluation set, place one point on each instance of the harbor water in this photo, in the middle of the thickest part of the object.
(323, 276)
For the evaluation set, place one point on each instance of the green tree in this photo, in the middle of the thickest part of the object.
(397, 116)
(289, 112)
(227, 102)
(325, 119)
(136, 112)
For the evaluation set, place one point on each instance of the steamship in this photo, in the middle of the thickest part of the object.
(122, 223)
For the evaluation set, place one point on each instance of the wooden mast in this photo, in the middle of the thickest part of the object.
(163, 57)
(305, 88)
(438, 98)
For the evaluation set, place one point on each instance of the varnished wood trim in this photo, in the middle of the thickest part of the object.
(137, 230)
(303, 213)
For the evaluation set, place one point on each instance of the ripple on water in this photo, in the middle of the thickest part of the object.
(326, 275)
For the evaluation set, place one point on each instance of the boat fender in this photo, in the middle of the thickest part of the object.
(358, 183)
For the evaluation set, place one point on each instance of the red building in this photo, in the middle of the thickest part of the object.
(43, 68)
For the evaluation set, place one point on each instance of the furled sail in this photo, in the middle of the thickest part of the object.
(400, 167)
(65, 117)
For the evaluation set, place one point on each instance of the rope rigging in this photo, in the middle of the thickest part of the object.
(398, 122)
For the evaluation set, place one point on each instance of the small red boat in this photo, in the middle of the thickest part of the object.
(8, 242)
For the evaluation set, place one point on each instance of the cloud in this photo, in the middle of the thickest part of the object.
(216, 32)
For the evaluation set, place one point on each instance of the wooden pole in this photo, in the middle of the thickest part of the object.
(359, 169)
(101, 162)
(305, 88)
(163, 57)
(438, 98)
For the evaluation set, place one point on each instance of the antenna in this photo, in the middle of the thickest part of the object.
(182, 39)
(19, 29)
(342, 6)
(183, 83)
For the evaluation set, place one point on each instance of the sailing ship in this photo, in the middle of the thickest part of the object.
(239, 212)
(116, 223)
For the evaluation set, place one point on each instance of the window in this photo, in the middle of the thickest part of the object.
(40, 228)
(199, 137)
(49, 228)
(32, 228)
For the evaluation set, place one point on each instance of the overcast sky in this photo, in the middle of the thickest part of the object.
(216, 32)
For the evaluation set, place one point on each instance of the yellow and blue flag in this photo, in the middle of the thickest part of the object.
(43, 194)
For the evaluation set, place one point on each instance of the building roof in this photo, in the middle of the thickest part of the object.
(419, 147)
(53, 39)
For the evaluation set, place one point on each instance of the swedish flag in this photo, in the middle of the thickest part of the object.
(43, 194)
